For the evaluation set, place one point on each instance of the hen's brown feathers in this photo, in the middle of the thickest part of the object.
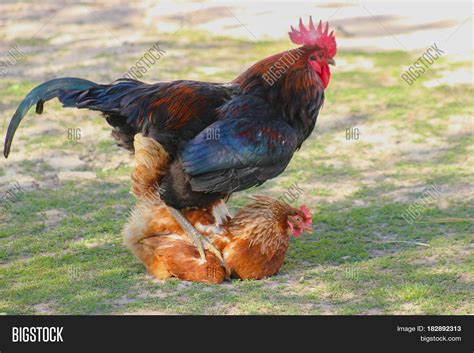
(262, 222)
(260, 239)
(160, 243)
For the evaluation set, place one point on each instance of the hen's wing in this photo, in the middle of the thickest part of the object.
(246, 147)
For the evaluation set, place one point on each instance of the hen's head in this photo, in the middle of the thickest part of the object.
(299, 220)
(269, 218)
(319, 46)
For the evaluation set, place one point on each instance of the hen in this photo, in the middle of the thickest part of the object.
(253, 243)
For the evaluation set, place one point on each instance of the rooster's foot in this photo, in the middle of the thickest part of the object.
(200, 241)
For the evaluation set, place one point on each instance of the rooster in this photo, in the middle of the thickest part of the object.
(253, 243)
(216, 138)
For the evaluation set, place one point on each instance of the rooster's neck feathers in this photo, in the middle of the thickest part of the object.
(290, 86)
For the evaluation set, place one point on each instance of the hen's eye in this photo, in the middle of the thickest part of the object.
(298, 219)
(313, 57)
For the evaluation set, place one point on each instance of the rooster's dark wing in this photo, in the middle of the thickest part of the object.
(247, 146)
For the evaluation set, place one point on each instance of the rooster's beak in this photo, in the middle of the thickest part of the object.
(331, 61)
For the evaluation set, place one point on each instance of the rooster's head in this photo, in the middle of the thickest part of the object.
(319, 46)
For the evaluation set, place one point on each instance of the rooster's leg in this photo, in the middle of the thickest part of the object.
(200, 241)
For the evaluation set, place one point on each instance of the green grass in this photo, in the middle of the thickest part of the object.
(78, 264)
(61, 248)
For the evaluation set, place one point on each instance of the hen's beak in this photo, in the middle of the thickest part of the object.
(305, 226)
(331, 61)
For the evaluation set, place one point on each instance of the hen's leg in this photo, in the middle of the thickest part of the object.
(200, 241)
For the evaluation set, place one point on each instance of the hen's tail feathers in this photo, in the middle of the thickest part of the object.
(151, 161)
(38, 96)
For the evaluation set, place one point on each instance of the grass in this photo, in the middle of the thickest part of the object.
(60, 243)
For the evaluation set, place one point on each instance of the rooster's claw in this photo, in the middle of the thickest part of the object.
(200, 241)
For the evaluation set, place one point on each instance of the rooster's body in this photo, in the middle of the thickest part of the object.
(219, 138)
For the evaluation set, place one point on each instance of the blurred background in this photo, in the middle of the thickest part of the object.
(381, 145)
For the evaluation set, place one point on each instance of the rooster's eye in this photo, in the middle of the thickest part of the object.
(313, 57)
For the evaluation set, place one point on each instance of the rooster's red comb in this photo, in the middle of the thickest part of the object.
(314, 36)
(307, 214)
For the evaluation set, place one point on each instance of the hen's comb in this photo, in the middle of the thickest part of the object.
(307, 214)
(314, 36)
